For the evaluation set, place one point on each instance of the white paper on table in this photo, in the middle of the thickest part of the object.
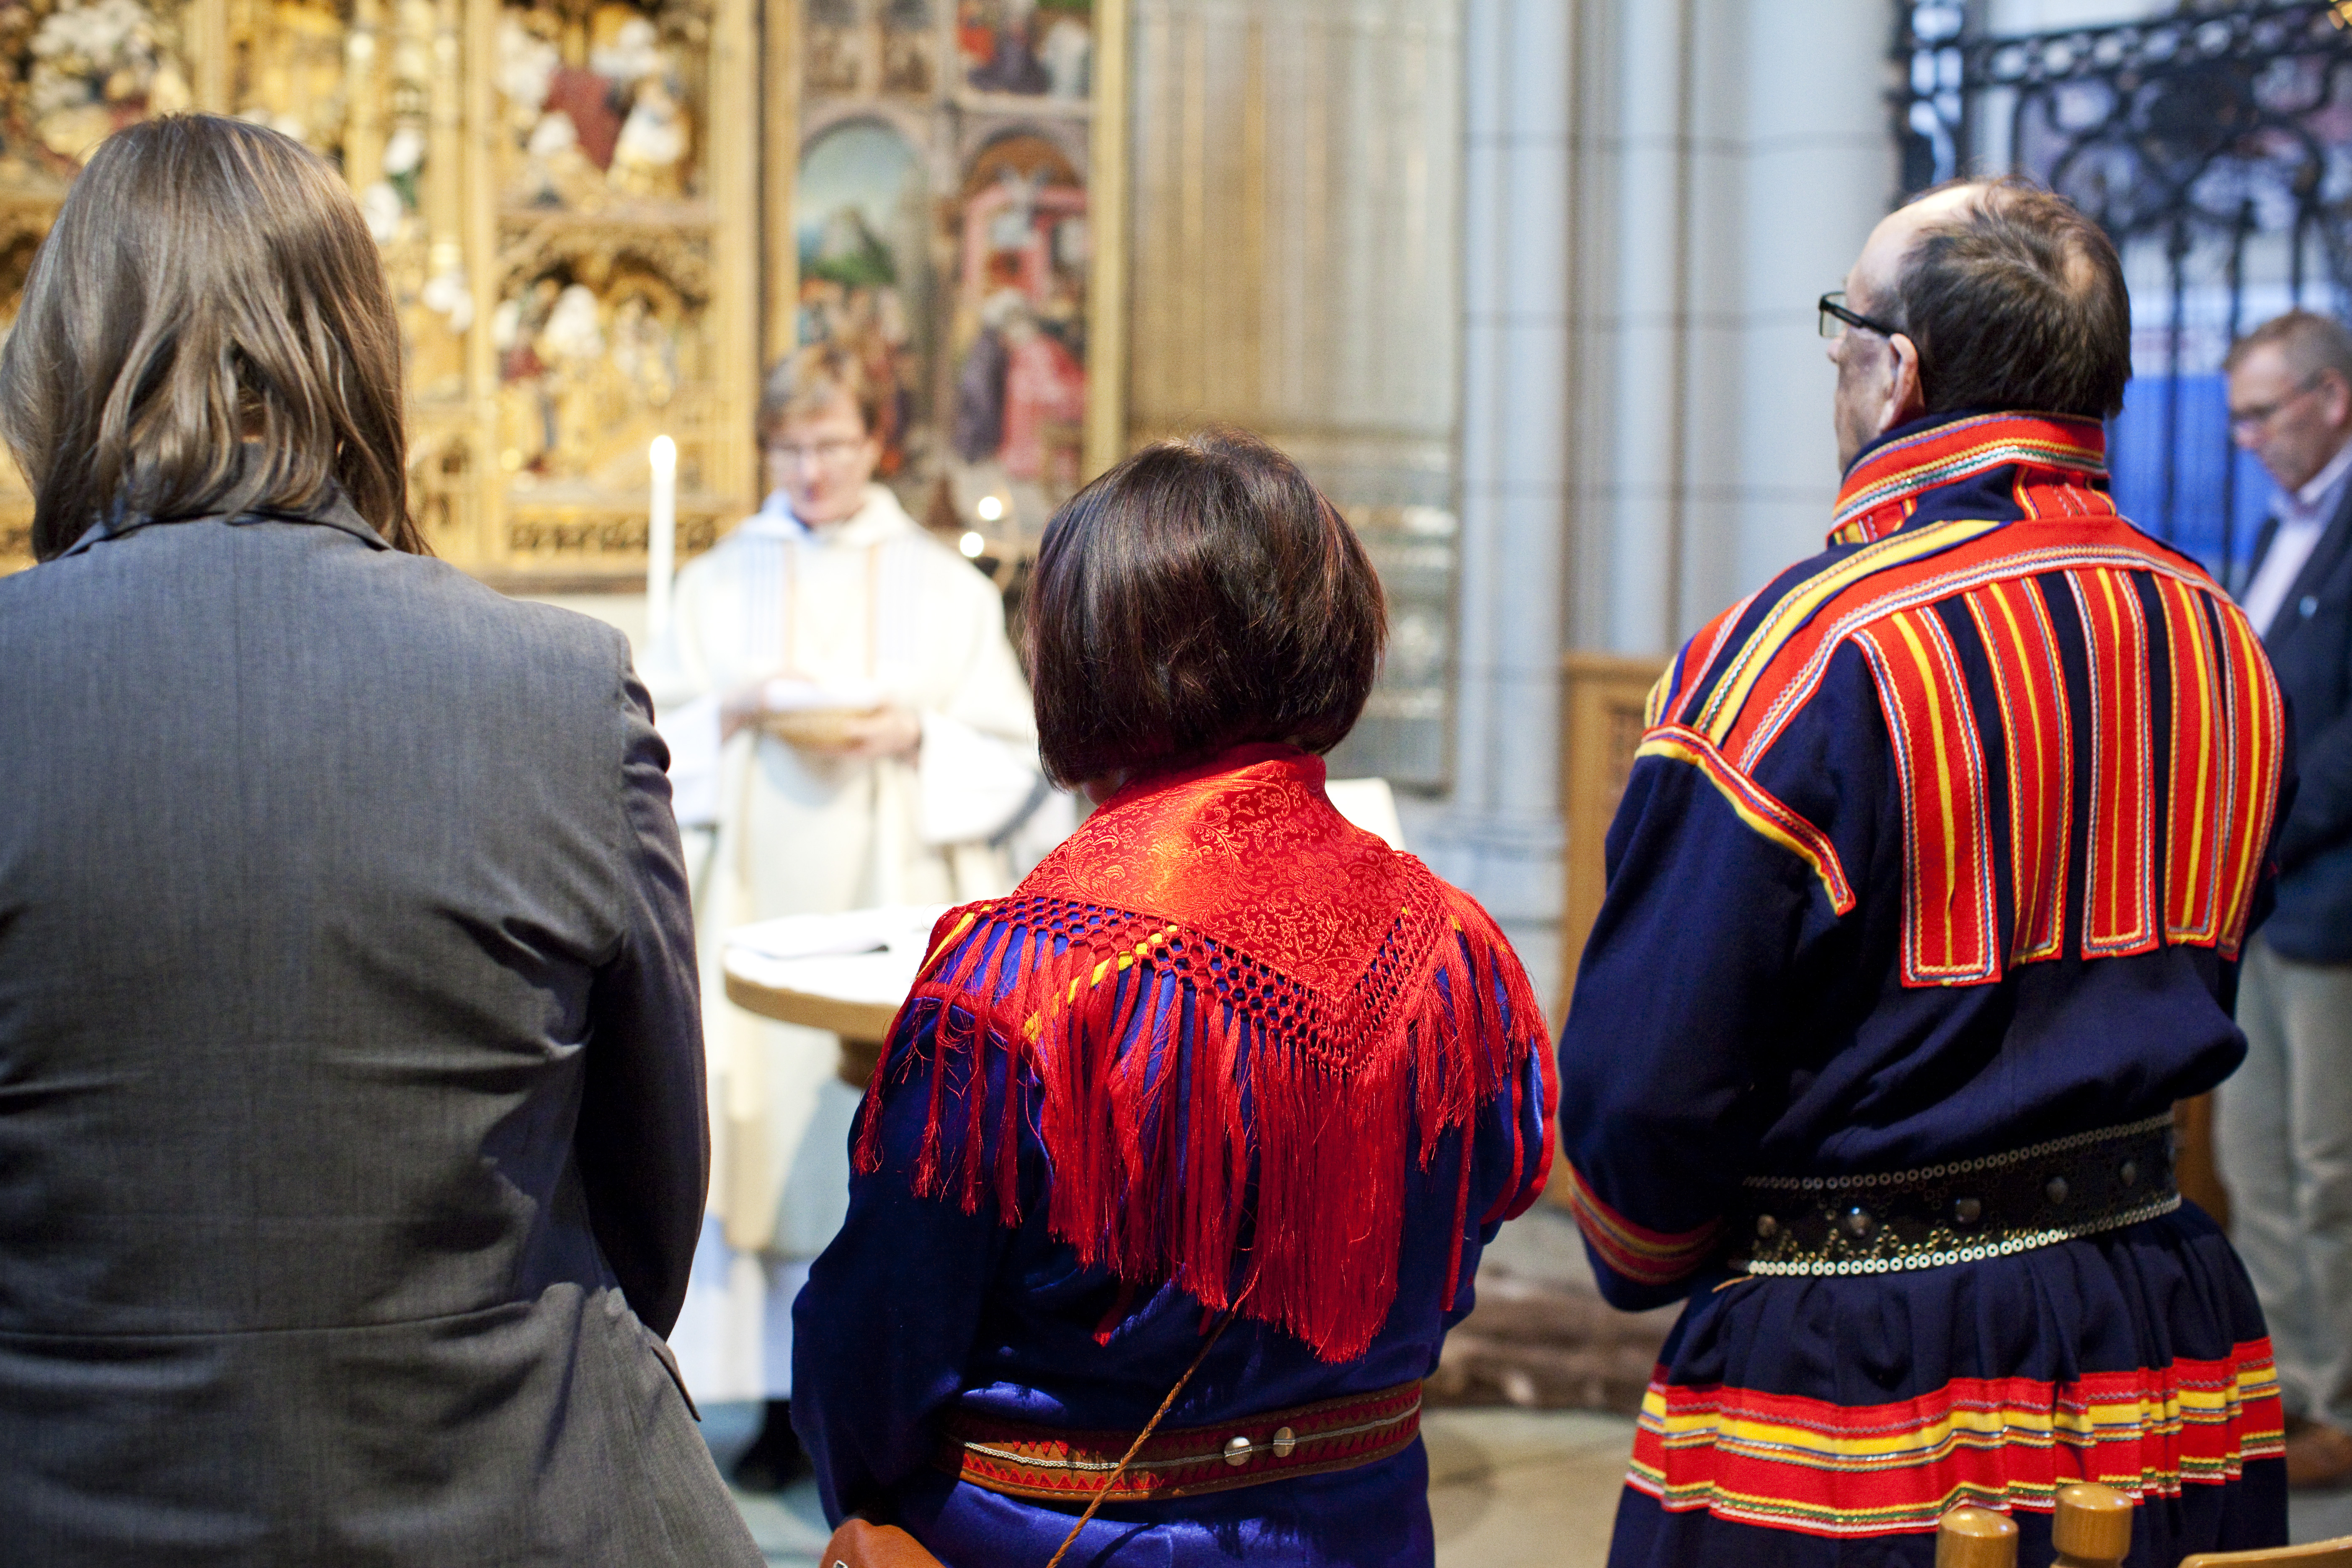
(893, 928)
(875, 979)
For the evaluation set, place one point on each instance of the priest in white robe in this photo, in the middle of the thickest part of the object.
(830, 617)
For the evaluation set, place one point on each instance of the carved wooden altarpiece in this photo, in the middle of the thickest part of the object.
(574, 252)
(570, 198)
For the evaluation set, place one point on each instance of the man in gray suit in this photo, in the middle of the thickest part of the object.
(352, 1123)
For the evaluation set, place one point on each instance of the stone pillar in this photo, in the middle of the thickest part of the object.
(1295, 254)
(1731, 164)
(1498, 832)
(1725, 162)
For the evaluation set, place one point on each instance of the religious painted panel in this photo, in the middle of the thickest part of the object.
(942, 227)
(602, 332)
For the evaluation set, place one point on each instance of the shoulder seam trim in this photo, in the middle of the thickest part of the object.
(1756, 806)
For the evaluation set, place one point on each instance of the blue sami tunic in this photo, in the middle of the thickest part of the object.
(1942, 845)
(1051, 1287)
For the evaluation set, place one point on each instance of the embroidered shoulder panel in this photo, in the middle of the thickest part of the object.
(1220, 993)
(2070, 707)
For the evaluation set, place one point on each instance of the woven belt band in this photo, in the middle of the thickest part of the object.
(1960, 1212)
(1025, 1461)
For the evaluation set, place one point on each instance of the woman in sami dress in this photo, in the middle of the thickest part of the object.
(1226, 1085)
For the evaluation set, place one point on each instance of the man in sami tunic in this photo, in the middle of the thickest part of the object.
(1926, 902)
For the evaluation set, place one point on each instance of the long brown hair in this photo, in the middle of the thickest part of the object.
(206, 332)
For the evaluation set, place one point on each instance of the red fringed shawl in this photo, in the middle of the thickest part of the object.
(1341, 1008)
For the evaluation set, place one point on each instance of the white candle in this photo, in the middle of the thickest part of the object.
(661, 538)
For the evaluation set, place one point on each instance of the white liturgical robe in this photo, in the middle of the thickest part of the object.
(866, 610)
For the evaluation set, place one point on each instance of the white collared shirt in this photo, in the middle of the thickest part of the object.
(2302, 517)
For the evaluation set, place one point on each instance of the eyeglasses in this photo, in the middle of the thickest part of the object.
(2261, 413)
(831, 454)
(1836, 318)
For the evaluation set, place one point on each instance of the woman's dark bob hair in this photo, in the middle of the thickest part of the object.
(206, 332)
(1197, 596)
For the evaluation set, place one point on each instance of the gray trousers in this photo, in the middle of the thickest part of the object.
(2283, 1138)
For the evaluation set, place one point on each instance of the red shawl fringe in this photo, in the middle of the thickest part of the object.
(1249, 1126)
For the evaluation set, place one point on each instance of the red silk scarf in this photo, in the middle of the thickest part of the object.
(1341, 1009)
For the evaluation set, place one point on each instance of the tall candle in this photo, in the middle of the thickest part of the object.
(661, 538)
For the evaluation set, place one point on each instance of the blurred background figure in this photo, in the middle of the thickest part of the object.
(351, 1145)
(2283, 1133)
(849, 723)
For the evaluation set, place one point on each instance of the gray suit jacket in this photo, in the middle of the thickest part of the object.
(352, 1123)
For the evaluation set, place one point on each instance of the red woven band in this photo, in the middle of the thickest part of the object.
(1020, 1460)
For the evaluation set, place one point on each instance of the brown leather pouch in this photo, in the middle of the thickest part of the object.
(862, 1543)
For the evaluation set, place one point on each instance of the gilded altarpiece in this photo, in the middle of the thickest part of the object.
(601, 218)
(572, 245)
(946, 201)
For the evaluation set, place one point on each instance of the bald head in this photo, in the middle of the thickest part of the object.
(2003, 297)
(1878, 271)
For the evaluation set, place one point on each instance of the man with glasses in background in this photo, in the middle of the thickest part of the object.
(848, 728)
(2283, 1133)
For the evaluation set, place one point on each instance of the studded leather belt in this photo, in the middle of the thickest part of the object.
(1959, 1212)
(1053, 1465)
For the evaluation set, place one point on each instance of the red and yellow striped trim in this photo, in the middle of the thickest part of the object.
(2058, 454)
(1796, 610)
(2118, 893)
(1644, 1256)
(2028, 679)
(1819, 1469)
(2223, 741)
(2255, 724)
(1757, 807)
(1951, 933)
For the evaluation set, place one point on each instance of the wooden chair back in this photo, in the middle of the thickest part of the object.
(2092, 1527)
(2335, 1554)
(1971, 1537)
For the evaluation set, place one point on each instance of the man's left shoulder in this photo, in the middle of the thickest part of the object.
(1739, 680)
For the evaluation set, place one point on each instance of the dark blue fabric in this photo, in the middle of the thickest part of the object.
(916, 1305)
(1728, 1021)
(2310, 645)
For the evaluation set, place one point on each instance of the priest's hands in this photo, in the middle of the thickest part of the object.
(746, 705)
(888, 731)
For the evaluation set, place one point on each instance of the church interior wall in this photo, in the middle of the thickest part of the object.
(1727, 165)
(1496, 830)
(1526, 284)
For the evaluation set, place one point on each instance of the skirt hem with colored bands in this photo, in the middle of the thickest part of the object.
(1832, 1421)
